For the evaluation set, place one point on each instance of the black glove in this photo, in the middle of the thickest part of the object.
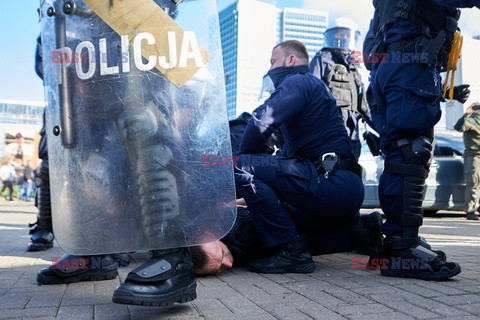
(461, 93)
(373, 143)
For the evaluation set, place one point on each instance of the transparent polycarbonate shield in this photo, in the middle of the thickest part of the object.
(136, 112)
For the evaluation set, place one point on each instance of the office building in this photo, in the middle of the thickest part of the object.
(20, 116)
(249, 30)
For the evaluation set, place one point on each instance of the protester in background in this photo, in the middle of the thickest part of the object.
(469, 124)
(7, 175)
(15, 149)
(28, 183)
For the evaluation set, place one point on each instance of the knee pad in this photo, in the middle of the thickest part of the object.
(411, 218)
(42, 174)
(44, 217)
(419, 151)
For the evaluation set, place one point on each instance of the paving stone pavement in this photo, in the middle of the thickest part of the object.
(333, 291)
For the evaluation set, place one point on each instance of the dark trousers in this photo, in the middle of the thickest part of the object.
(8, 185)
(286, 196)
(408, 102)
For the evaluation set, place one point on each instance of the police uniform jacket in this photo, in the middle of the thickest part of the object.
(306, 113)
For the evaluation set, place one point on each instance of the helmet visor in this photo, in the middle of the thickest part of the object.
(341, 38)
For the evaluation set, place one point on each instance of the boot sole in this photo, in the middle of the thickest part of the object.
(181, 295)
(92, 276)
(33, 247)
(305, 268)
(421, 274)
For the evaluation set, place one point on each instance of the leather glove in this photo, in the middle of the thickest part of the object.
(461, 93)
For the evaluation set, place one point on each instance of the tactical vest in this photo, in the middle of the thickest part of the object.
(346, 87)
(431, 17)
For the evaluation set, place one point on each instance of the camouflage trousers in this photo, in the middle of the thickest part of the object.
(472, 182)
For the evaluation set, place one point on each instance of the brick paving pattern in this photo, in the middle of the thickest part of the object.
(333, 291)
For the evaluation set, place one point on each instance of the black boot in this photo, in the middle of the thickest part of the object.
(367, 237)
(472, 216)
(418, 262)
(72, 268)
(291, 257)
(41, 239)
(41, 231)
(409, 256)
(423, 242)
(165, 279)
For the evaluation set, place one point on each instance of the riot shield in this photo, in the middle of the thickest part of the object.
(136, 110)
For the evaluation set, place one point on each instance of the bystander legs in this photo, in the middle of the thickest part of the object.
(7, 175)
(28, 183)
(469, 124)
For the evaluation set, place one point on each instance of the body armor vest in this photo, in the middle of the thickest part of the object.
(344, 82)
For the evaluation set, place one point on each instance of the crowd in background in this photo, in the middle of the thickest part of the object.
(17, 172)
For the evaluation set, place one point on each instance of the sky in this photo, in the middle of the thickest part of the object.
(19, 28)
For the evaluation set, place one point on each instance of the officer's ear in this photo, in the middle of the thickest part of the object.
(291, 60)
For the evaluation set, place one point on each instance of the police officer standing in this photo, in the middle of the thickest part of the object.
(333, 64)
(302, 191)
(407, 92)
(41, 231)
(118, 163)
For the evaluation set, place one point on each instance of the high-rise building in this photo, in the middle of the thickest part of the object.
(249, 30)
(307, 26)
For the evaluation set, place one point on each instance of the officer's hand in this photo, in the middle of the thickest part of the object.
(461, 93)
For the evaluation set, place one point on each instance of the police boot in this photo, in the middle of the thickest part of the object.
(415, 262)
(423, 242)
(367, 237)
(165, 279)
(70, 268)
(291, 257)
(41, 231)
(408, 255)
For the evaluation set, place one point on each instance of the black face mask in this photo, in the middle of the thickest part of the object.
(278, 74)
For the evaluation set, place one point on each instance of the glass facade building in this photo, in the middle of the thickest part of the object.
(21, 112)
(20, 116)
(304, 25)
(249, 30)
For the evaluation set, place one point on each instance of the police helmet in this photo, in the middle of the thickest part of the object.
(342, 34)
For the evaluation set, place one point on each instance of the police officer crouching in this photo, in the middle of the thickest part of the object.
(315, 185)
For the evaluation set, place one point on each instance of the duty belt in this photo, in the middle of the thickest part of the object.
(401, 46)
(331, 162)
(430, 47)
